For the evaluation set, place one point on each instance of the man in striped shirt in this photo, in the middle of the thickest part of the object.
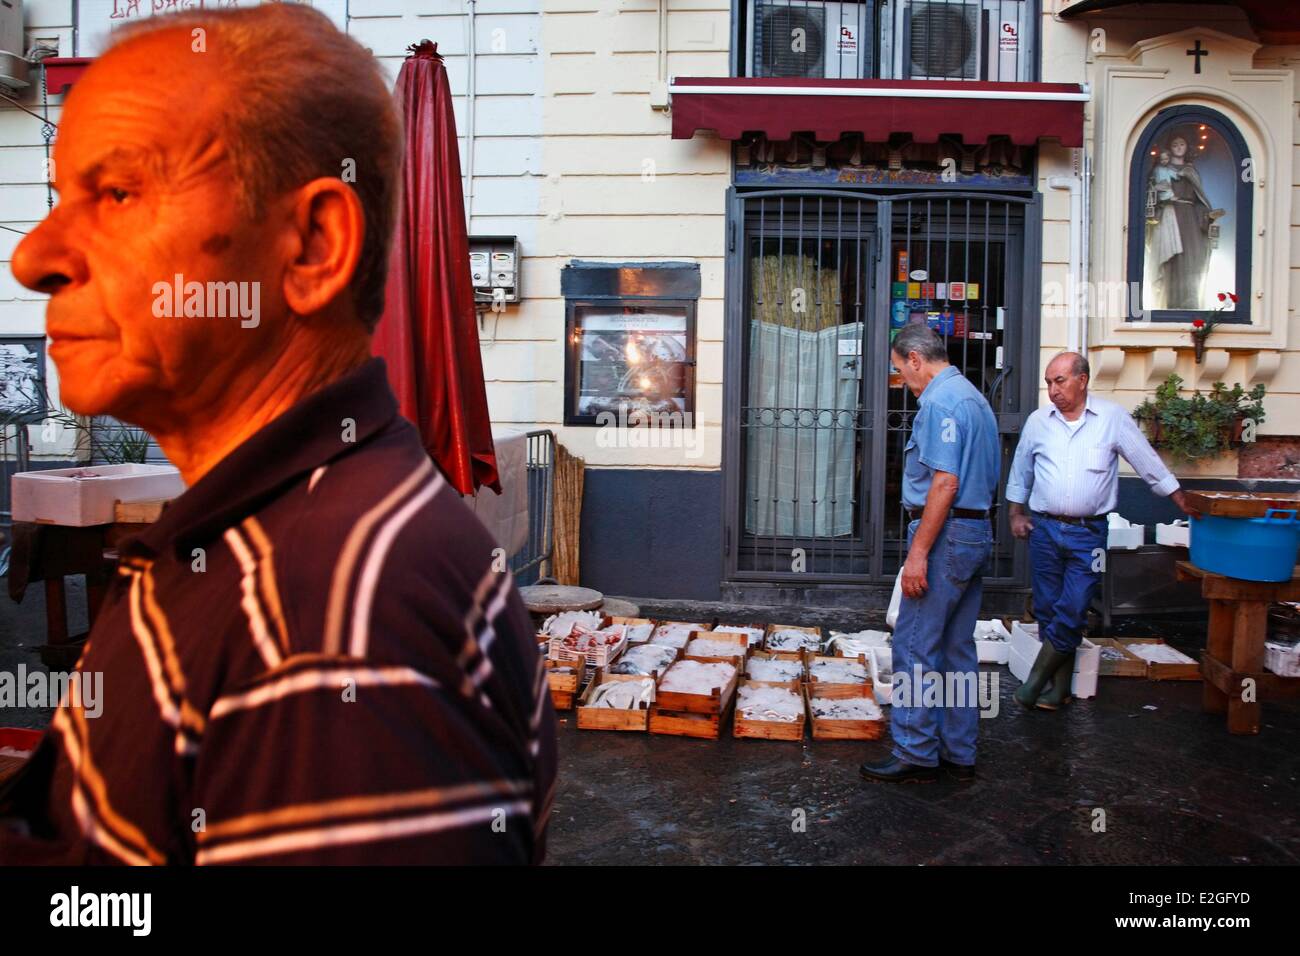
(316, 654)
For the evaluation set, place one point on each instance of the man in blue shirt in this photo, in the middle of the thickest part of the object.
(950, 475)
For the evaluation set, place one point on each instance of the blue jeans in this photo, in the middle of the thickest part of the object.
(937, 633)
(1063, 558)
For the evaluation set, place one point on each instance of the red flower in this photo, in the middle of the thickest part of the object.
(1232, 296)
(1198, 323)
(1222, 296)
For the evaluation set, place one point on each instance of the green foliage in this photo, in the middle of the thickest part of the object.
(1200, 426)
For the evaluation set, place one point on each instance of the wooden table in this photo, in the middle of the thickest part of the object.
(1234, 650)
(49, 553)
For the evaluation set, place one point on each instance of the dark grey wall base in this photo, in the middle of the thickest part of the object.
(654, 533)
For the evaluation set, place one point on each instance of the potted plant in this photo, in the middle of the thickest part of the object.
(1199, 426)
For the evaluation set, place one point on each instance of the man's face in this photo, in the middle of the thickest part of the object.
(911, 368)
(1067, 389)
(146, 193)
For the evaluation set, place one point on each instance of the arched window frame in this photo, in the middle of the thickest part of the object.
(1160, 123)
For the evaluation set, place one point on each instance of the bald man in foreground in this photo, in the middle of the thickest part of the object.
(1067, 469)
(309, 658)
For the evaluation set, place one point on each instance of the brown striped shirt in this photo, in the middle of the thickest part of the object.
(313, 656)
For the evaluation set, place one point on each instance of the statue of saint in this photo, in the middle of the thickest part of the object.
(1182, 230)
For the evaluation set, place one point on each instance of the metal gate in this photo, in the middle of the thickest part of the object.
(815, 420)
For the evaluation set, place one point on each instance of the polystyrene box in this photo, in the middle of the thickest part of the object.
(1176, 534)
(79, 497)
(1123, 535)
(1282, 659)
(1024, 648)
(994, 652)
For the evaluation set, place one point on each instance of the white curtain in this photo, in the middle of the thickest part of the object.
(795, 370)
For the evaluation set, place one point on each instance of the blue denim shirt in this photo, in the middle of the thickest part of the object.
(954, 431)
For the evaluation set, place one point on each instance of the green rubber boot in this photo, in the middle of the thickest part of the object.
(1058, 695)
(1045, 665)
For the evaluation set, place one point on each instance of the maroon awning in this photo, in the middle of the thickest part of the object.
(62, 71)
(779, 107)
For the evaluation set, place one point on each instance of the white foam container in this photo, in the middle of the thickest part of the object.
(1024, 649)
(995, 652)
(1126, 538)
(1282, 659)
(881, 662)
(80, 497)
(1175, 534)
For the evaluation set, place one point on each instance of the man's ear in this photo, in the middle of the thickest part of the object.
(330, 227)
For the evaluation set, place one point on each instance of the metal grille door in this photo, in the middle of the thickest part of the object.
(817, 419)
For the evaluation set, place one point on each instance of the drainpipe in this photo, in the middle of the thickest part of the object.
(1074, 280)
(469, 124)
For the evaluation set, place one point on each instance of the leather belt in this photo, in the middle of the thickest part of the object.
(915, 513)
(1082, 522)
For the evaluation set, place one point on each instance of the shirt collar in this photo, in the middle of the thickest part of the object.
(1087, 407)
(310, 434)
(946, 374)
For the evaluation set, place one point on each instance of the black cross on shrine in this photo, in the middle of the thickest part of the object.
(1198, 53)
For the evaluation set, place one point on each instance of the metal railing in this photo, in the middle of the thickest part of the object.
(527, 564)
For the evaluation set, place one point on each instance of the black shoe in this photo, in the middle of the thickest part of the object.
(961, 772)
(894, 770)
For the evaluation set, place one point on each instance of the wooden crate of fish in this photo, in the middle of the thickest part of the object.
(1163, 662)
(790, 641)
(597, 648)
(859, 717)
(1116, 660)
(769, 716)
(754, 633)
(564, 678)
(597, 712)
(717, 647)
(768, 667)
(844, 671)
(641, 659)
(639, 629)
(684, 708)
(675, 633)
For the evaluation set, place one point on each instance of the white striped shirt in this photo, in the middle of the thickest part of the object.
(1075, 472)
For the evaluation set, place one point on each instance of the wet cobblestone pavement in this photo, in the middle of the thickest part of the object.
(1174, 787)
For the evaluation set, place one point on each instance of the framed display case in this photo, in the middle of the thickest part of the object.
(630, 356)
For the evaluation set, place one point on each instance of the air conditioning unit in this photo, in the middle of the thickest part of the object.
(807, 38)
(13, 65)
(959, 40)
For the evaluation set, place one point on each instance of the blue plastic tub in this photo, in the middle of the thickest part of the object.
(1253, 549)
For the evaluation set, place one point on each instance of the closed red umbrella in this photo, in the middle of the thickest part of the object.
(428, 335)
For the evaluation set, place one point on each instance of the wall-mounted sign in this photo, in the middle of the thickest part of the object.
(97, 19)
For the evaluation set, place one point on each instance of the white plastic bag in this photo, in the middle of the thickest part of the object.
(891, 616)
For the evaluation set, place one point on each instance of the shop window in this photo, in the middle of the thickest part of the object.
(631, 343)
(1190, 219)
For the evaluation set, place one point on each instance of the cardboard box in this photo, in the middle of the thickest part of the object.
(81, 497)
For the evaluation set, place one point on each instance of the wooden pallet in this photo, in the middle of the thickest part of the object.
(770, 729)
(610, 718)
(1130, 666)
(1242, 504)
(824, 729)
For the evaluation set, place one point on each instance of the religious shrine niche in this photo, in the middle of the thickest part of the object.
(1190, 217)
